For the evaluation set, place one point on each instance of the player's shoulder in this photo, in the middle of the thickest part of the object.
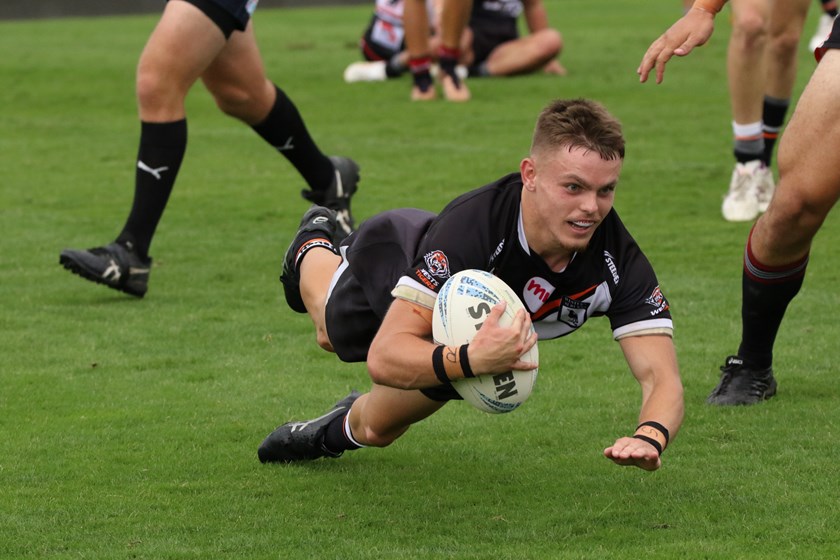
(507, 189)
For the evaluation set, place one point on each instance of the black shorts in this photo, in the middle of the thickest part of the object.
(832, 42)
(374, 259)
(229, 15)
(489, 33)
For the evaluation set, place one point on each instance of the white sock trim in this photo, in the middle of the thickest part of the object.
(349, 434)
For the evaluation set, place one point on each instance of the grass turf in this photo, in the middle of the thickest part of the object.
(129, 428)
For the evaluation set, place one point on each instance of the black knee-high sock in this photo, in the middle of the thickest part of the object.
(284, 129)
(766, 293)
(773, 117)
(162, 147)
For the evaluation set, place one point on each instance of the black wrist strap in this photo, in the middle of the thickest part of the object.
(650, 440)
(438, 366)
(656, 425)
(465, 361)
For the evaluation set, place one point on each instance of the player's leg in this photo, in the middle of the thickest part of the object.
(453, 21)
(525, 54)
(238, 83)
(378, 418)
(163, 81)
(777, 250)
(416, 23)
(375, 419)
(787, 20)
(746, 68)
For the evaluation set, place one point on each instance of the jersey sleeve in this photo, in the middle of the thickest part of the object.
(638, 306)
(458, 239)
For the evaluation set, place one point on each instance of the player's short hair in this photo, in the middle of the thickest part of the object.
(579, 123)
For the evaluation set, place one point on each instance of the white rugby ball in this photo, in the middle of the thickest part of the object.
(462, 305)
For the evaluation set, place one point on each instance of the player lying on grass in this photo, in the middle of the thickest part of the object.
(549, 231)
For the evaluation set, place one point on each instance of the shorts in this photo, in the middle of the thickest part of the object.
(373, 260)
(381, 41)
(489, 33)
(832, 42)
(228, 15)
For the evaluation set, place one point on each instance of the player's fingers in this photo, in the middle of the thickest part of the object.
(496, 313)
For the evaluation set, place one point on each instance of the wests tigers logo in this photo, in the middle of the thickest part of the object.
(437, 264)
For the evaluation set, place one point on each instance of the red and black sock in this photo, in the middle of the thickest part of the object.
(766, 293)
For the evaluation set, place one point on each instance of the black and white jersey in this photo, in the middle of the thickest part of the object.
(483, 229)
(496, 9)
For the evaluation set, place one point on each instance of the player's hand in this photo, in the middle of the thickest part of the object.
(692, 30)
(496, 349)
(633, 452)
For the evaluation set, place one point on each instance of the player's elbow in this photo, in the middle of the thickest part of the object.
(383, 370)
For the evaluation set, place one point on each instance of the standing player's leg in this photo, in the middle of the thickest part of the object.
(416, 24)
(778, 248)
(747, 69)
(238, 82)
(163, 81)
(787, 20)
(453, 21)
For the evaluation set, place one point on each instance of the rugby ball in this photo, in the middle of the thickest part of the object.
(462, 305)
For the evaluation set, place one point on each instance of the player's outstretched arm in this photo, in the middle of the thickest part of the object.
(692, 30)
(653, 361)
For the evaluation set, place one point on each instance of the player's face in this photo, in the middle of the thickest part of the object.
(567, 194)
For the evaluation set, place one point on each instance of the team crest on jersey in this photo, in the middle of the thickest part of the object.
(573, 312)
(657, 300)
(437, 264)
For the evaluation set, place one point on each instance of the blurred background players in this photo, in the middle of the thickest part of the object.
(761, 65)
(212, 40)
(454, 15)
(490, 45)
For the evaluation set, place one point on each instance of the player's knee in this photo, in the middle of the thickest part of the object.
(751, 28)
(323, 340)
(153, 90)
(551, 43)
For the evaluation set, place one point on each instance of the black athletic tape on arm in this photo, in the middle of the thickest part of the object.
(465, 361)
(438, 366)
(650, 440)
(657, 426)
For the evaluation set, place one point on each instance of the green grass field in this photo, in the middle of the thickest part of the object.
(129, 428)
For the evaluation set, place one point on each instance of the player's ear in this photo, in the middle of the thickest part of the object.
(528, 171)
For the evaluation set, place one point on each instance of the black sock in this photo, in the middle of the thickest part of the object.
(284, 129)
(420, 72)
(162, 147)
(448, 60)
(335, 439)
(766, 293)
(773, 117)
